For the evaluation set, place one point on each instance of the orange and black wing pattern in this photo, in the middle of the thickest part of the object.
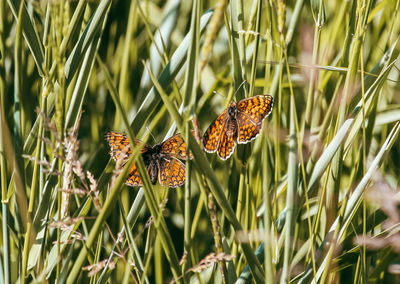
(133, 178)
(171, 172)
(119, 145)
(175, 146)
(257, 108)
(251, 113)
(212, 136)
(120, 148)
(247, 130)
(226, 144)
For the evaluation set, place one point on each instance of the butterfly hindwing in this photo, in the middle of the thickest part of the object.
(227, 141)
(171, 172)
(247, 129)
(133, 178)
(212, 135)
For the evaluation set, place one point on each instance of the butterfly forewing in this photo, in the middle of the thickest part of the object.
(212, 135)
(175, 146)
(257, 108)
(119, 145)
(171, 172)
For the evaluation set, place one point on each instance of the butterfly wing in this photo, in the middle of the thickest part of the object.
(171, 172)
(120, 148)
(212, 136)
(257, 108)
(248, 130)
(119, 145)
(133, 178)
(175, 146)
(251, 113)
(228, 140)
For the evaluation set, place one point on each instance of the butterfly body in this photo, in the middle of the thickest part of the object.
(232, 126)
(153, 158)
(240, 123)
(151, 161)
(162, 161)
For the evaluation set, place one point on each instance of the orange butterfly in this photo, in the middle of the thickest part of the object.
(162, 160)
(241, 122)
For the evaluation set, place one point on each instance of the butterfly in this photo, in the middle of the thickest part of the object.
(161, 161)
(240, 123)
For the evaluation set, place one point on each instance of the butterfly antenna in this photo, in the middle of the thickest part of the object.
(148, 129)
(241, 85)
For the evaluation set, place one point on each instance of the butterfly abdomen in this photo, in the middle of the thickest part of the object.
(232, 128)
(153, 171)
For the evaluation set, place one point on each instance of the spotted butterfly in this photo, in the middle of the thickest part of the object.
(162, 161)
(240, 122)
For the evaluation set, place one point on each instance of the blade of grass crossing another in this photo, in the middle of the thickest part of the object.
(166, 77)
(29, 32)
(86, 39)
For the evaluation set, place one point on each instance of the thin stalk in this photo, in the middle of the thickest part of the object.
(256, 47)
(237, 47)
(302, 168)
(337, 163)
(269, 270)
(277, 127)
(17, 130)
(58, 16)
(34, 189)
(363, 165)
(189, 107)
(3, 165)
(212, 209)
(314, 71)
(124, 72)
(158, 260)
(239, 206)
(133, 253)
(291, 204)
(187, 211)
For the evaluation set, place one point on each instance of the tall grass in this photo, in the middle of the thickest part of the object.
(313, 199)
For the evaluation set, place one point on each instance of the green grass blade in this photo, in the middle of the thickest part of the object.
(30, 34)
(86, 39)
(166, 77)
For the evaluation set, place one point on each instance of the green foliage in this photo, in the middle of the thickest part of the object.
(313, 198)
